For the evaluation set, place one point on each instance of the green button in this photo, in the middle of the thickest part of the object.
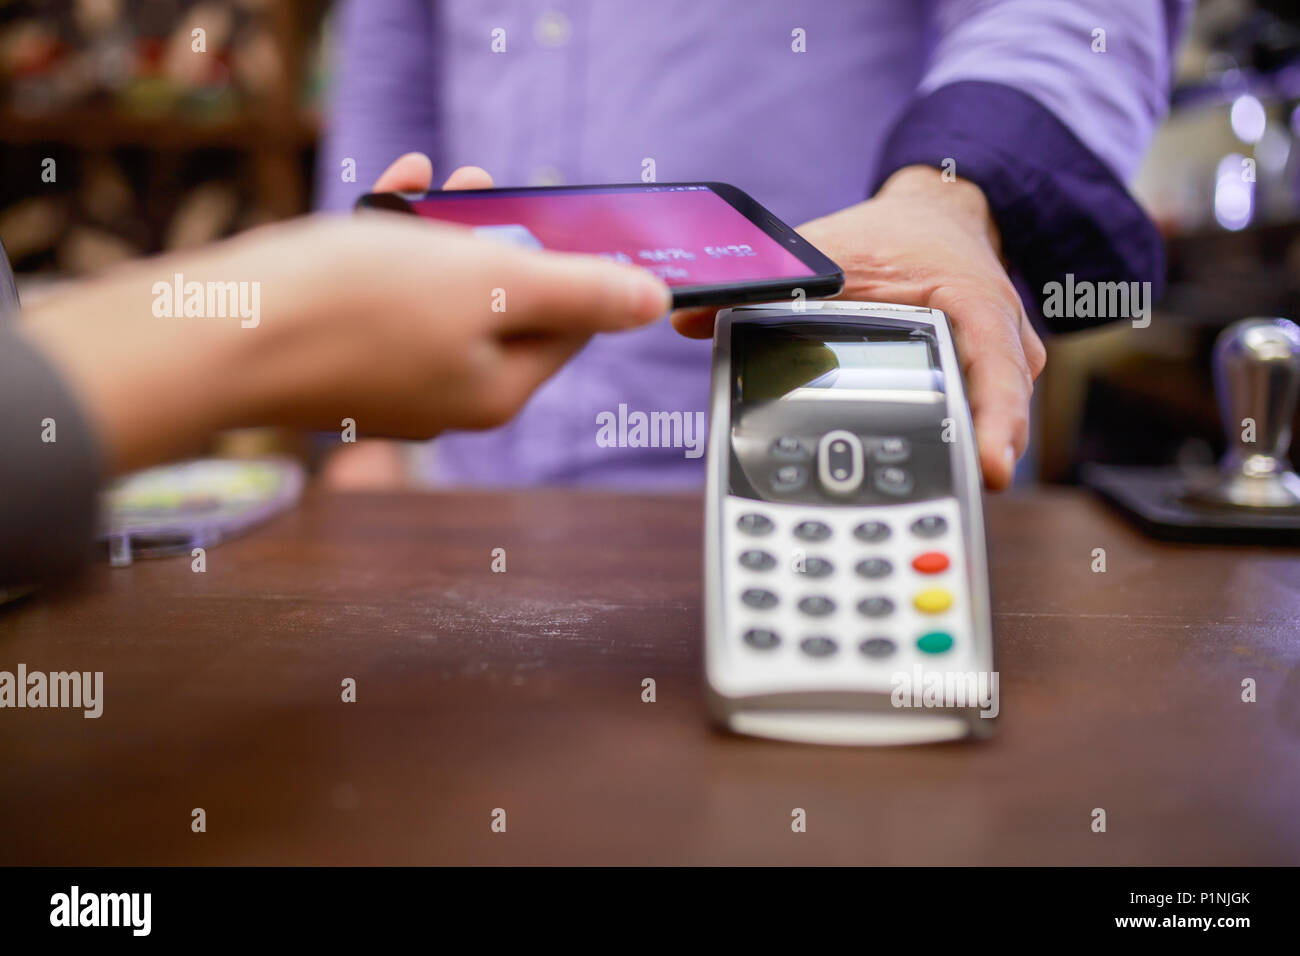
(936, 642)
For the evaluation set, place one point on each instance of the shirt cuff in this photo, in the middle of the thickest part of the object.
(1060, 210)
(48, 506)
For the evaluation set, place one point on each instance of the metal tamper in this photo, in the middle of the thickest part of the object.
(1257, 380)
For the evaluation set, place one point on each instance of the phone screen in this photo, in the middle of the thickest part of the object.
(688, 235)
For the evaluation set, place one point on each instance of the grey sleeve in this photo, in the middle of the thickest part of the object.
(47, 488)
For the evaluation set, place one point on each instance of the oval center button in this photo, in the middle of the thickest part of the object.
(933, 601)
(932, 562)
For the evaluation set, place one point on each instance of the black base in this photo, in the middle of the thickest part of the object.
(1150, 497)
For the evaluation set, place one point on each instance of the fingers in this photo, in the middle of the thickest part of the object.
(998, 387)
(531, 361)
(518, 368)
(695, 323)
(369, 465)
(1035, 352)
(409, 173)
(469, 177)
(1000, 408)
(413, 172)
(560, 294)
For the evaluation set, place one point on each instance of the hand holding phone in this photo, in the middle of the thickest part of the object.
(711, 243)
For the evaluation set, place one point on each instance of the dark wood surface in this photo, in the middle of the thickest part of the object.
(522, 691)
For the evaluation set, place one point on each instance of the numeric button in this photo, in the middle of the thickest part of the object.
(760, 599)
(876, 607)
(812, 531)
(816, 568)
(756, 560)
(755, 524)
(874, 568)
(929, 526)
(818, 646)
(871, 532)
(816, 605)
(761, 638)
(877, 648)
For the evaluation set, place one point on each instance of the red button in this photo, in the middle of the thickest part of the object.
(932, 562)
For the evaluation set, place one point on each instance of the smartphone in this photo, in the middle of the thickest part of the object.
(710, 242)
(846, 575)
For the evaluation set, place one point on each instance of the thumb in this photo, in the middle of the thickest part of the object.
(563, 294)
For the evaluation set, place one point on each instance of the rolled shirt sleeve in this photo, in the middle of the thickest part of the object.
(1049, 108)
(50, 469)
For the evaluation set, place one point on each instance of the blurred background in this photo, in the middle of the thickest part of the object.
(155, 149)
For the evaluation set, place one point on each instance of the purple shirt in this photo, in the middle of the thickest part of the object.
(1018, 91)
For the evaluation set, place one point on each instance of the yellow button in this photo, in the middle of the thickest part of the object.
(933, 601)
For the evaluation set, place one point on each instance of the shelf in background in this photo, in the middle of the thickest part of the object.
(90, 128)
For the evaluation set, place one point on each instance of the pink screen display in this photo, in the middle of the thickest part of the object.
(685, 235)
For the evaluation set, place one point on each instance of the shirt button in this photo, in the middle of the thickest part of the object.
(552, 29)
